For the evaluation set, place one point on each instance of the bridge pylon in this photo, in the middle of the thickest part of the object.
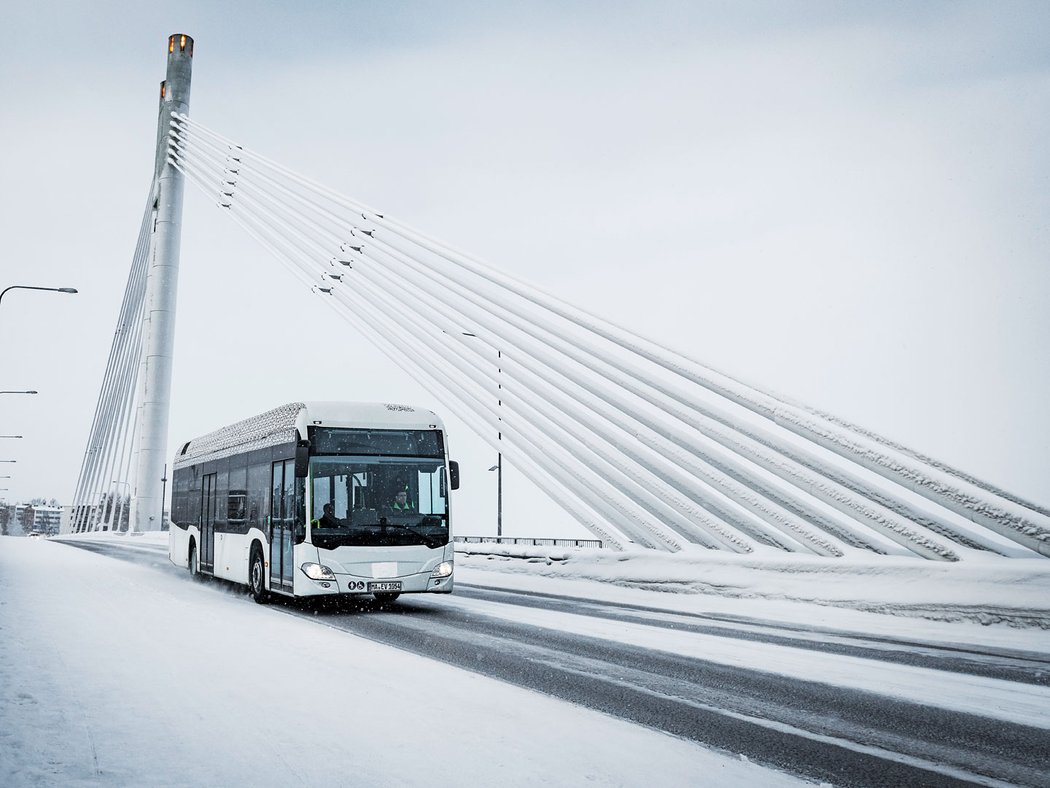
(161, 290)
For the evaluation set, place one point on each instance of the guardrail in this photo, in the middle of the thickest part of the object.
(535, 542)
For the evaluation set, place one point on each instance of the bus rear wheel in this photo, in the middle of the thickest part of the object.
(257, 577)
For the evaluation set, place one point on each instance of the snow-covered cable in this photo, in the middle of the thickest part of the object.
(103, 432)
(316, 219)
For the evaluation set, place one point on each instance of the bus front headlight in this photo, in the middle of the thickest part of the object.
(444, 569)
(317, 572)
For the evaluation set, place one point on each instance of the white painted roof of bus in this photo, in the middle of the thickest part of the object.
(280, 425)
(380, 415)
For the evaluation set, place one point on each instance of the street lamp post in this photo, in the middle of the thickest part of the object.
(163, 493)
(33, 287)
(498, 467)
(30, 287)
(499, 454)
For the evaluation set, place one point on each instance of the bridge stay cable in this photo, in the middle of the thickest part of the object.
(108, 456)
(995, 512)
(927, 478)
(721, 469)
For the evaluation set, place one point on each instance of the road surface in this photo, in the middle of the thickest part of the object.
(651, 666)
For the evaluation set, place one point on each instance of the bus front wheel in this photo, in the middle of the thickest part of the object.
(257, 577)
(195, 569)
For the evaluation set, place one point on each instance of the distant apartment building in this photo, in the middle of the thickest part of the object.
(39, 518)
(47, 519)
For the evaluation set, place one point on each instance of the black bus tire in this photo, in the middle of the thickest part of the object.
(257, 577)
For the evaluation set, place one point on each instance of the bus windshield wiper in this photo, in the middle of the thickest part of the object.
(424, 538)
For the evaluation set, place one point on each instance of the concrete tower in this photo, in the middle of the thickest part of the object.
(161, 290)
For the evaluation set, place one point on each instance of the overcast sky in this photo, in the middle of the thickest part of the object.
(844, 202)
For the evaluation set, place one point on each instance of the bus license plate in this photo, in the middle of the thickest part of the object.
(388, 586)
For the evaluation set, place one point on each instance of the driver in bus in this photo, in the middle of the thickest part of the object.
(401, 502)
(328, 518)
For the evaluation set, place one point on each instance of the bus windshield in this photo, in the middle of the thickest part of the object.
(376, 500)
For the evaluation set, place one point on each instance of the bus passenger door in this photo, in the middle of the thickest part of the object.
(207, 521)
(282, 521)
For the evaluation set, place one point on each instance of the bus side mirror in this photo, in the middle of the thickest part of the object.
(453, 474)
(302, 461)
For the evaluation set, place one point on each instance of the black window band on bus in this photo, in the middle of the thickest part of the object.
(396, 443)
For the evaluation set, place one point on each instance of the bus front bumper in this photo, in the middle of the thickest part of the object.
(422, 583)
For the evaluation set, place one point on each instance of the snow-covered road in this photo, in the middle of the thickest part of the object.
(113, 673)
(745, 678)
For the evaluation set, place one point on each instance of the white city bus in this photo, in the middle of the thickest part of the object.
(374, 478)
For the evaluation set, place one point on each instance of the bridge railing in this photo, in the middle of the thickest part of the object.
(533, 541)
